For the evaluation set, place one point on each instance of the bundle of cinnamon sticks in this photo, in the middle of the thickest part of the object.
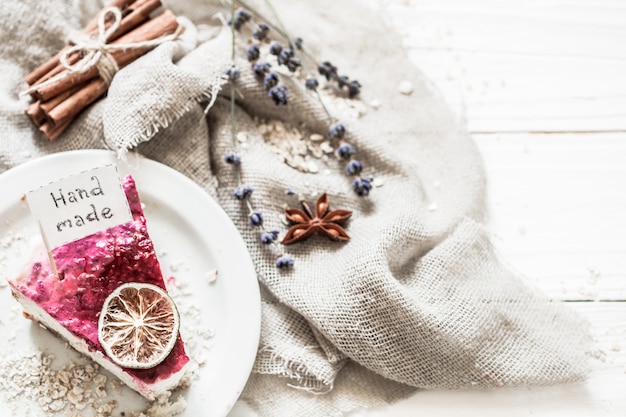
(56, 103)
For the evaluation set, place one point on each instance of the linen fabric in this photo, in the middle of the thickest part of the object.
(418, 298)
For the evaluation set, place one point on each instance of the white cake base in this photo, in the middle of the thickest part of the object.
(149, 391)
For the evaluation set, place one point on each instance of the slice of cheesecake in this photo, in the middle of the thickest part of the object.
(89, 270)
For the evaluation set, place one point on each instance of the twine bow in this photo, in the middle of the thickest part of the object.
(96, 52)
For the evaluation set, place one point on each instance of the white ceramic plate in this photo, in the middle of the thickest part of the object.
(193, 237)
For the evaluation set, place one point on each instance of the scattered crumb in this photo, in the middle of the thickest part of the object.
(433, 207)
(176, 266)
(242, 137)
(378, 182)
(296, 148)
(170, 281)
(375, 104)
(163, 407)
(599, 354)
(586, 292)
(212, 276)
(73, 387)
(326, 147)
(616, 347)
(405, 87)
(594, 274)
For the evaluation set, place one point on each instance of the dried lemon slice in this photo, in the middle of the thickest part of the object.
(138, 325)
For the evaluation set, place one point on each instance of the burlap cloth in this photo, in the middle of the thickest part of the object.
(416, 299)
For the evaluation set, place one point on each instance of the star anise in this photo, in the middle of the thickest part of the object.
(322, 222)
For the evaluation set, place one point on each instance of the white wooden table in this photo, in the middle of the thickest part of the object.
(541, 86)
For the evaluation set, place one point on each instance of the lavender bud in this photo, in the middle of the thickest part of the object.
(337, 130)
(342, 81)
(269, 237)
(311, 83)
(279, 95)
(253, 53)
(275, 48)
(362, 186)
(261, 31)
(354, 88)
(345, 151)
(256, 219)
(232, 74)
(284, 262)
(270, 80)
(354, 167)
(243, 192)
(232, 158)
(260, 69)
(293, 64)
(328, 70)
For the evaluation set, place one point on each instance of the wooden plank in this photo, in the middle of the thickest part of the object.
(556, 210)
(530, 66)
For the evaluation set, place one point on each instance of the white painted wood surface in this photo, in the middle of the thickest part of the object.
(541, 85)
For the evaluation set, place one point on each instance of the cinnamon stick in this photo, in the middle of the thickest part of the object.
(35, 113)
(69, 108)
(52, 131)
(135, 14)
(139, 13)
(47, 106)
(164, 24)
(59, 117)
(92, 26)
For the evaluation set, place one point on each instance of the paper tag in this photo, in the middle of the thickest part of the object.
(78, 206)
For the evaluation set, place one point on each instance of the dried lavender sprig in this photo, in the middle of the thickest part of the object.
(280, 29)
(243, 192)
(361, 185)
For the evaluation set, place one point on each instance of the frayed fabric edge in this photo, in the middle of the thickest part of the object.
(299, 374)
(210, 94)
